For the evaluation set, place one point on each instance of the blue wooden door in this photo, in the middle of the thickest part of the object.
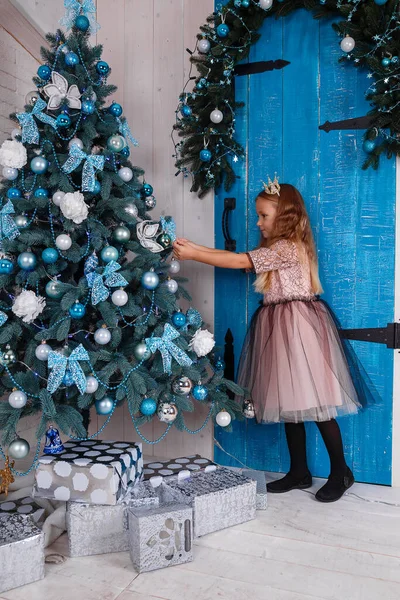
(353, 217)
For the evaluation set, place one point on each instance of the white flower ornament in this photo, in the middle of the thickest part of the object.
(58, 91)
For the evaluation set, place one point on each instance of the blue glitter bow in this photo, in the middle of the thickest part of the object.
(8, 228)
(125, 130)
(92, 162)
(168, 349)
(3, 318)
(193, 318)
(169, 227)
(30, 131)
(74, 8)
(59, 363)
(99, 281)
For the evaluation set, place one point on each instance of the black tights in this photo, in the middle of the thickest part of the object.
(296, 439)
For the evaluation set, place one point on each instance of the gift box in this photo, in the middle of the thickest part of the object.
(21, 552)
(92, 472)
(259, 478)
(143, 495)
(172, 466)
(160, 537)
(24, 506)
(219, 499)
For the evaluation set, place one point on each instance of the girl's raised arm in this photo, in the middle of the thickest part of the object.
(218, 258)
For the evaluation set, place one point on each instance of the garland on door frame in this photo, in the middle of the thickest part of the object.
(205, 117)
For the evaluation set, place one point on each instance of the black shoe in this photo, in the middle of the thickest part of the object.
(335, 487)
(290, 482)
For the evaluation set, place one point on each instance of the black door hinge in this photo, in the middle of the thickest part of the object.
(389, 335)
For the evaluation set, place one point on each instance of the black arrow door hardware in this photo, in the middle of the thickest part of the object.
(358, 123)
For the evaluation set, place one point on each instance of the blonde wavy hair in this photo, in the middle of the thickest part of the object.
(291, 223)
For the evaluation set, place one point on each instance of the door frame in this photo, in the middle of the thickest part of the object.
(396, 362)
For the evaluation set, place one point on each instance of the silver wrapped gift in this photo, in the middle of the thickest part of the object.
(259, 478)
(21, 552)
(143, 495)
(24, 506)
(219, 499)
(160, 537)
(172, 466)
(93, 472)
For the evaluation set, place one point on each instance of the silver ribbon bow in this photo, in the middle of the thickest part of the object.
(74, 8)
(30, 131)
(92, 162)
(8, 228)
(59, 363)
(99, 281)
(168, 349)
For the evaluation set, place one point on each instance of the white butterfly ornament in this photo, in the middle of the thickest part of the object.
(58, 91)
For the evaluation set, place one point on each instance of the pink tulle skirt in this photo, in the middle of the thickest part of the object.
(294, 365)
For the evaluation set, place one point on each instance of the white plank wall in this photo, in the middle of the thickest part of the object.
(145, 43)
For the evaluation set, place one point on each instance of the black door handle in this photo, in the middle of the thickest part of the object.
(229, 204)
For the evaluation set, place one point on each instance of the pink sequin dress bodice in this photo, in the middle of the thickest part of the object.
(290, 277)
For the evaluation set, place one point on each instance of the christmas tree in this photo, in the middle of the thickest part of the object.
(88, 298)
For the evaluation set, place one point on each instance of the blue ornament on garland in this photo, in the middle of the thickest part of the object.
(49, 256)
(104, 406)
(88, 107)
(394, 60)
(44, 72)
(219, 365)
(39, 165)
(201, 83)
(222, 30)
(115, 109)
(380, 2)
(205, 155)
(53, 444)
(109, 253)
(6, 266)
(54, 290)
(63, 121)
(41, 193)
(148, 406)
(150, 280)
(245, 3)
(200, 393)
(71, 59)
(77, 310)
(186, 111)
(369, 146)
(179, 319)
(68, 380)
(386, 61)
(97, 187)
(27, 261)
(102, 68)
(82, 23)
(125, 152)
(13, 193)
(147, 189)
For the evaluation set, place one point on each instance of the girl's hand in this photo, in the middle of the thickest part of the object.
(183, 250)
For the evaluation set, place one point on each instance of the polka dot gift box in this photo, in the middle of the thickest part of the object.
(93, 471)
(23, 506)
(172, 466)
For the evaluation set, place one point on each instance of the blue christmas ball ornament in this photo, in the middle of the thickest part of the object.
(125, 151)
(49, 256)
(222, 30)
(41, 193)
(200, 392)
(13, 193)
(88, 107)
(219, 365)
(27, 261)
(77, 311)
(186, 111)
(205, 155)
(394, 60)
(97, 187)
(109, 253)
(68, 379)
(150, 280)
(380, 2)
(102, 68)
(369, 146)
(104, 406)
(179, 319)
(44, 72)
(63, 121)
(6, 266)
(54, 290)
(82, 23)
(115, 109)
(71, 59)
(147, 189)
(148, 406)
(386, 61)
(39, 165)
(201, 83)
(245, 3)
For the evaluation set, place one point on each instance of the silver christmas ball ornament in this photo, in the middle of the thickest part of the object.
(167, 412)
(91, 384)
(216, 116)
(31, 98)
(171, 285)
(126, 174)
(182, 386)
(121, 234)
(119, 297)
(248, 409)
(347, 44)
(8, 358)
(141, 352)
(150, 202)
(21, 221)
(174, 267)
(57, 197)
(266, 4)
(19, 448)
(102, 336)
(203, 46)
(76, 142)
(63, 241)
(17, 399)
(42, 351)
(131, 209)
(10, 173)
(223, 418)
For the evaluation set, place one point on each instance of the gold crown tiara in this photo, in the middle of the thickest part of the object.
(272, 187)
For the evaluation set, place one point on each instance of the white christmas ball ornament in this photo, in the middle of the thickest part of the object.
(223, 418)
(10, 173)
(28, 306)
(174, 267)
(17, 399)
(202, 342)
(347, 44)
(13, 154)
(63, 241)
(126, 174)
(76, 142)
(266, 4)
(216, 116)
(57, 197)
(91, 384)
(42, 352)
(15, 132)
(119, 298)
(171, 285)
(102, 336)
(203, 46)
(73, 207)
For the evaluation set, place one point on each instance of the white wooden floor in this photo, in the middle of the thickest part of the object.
(298, 549)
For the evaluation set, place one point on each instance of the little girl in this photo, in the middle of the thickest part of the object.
(292, 362)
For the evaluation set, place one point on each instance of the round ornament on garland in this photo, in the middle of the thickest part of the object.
(116, 143)
(223, 418)
(53, 444)
(171, 285)
(186, 111)
(63, 241)
(179, 319)
(21, 221)
(150, 202)
(39, 165)
(119, 297)
(174, 266)
(44, 72)
(104, 406)
(126, 174)
(146, 190)
(54, 290)
(77, 310)
(57, 197)
(148, 407)
(103, 68)
(347, 44)
(27, 261)
(167, 412)
(92, 385)
(115, 109)
(216, 116)
(102, 336)
(150, 280)
(50, 256)
(88, 107)
(41, 193)
(19, 448)
(182, 386)
(222, 30)
(141, 352)
(203, 46)
(8, 358)
(63, 121)
(10, 173)
(75, 142)
(17, 399)
(6, 266)
(109, 253)
(248, 409)
(42, 352)
(219, 364)
(13, 193)
(200, 392)
(82, 23)
(121, 234)
(71, 59)
(31, 98)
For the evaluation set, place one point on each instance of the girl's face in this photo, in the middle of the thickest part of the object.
(266, 211)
